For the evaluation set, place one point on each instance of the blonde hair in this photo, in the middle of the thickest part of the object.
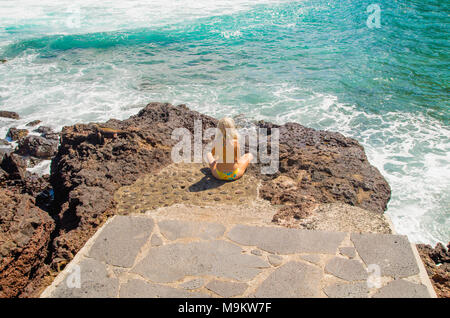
(225, 125)
(226, 128)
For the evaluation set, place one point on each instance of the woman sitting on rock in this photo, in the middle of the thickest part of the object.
(225, 161)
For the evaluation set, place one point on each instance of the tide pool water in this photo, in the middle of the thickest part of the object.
(319, 63)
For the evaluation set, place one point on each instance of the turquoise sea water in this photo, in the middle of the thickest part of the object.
(314, 62)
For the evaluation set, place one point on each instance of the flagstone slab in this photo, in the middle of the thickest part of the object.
(172, 262)
(121, 239)
(312, 258)
(349, 270)
(94, 282)
(136, 288)
(176, 229)
(286, 241)
(193, 283)
(350, 252)
(156, 240)
(392, 253)
(256, 252)
(293, 279)
(347, 290)
(143, 256)
(401, 288)
(227, 289)
(275, 260)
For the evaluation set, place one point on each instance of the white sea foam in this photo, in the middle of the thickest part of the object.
(41, 168)
(412, 151)
(85, 16)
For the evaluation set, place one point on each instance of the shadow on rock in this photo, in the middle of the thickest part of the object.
(208, 182)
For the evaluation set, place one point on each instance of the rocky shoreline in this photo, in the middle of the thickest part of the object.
(45, 220)
(437, 264)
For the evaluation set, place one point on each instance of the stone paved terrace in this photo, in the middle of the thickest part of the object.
(153, 255)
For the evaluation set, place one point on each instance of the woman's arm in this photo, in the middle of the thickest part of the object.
(211, 159)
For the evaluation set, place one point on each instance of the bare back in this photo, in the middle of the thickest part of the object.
(229, 165)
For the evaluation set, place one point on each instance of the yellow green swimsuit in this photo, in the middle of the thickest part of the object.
(228, 176)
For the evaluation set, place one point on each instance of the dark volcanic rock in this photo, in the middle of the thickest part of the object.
(7, 114)
(38, 147)
(4, 151)
(52, 136)
(44, 130)
(14, 176)
(48, 133)
(34, 185)
(25, 229)
(16, 134)
(33, 123)
(24, 239)
(14, 165)
(32, 161)
(3, 176)
(324, 167)
(437, 264)
(93, 161)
